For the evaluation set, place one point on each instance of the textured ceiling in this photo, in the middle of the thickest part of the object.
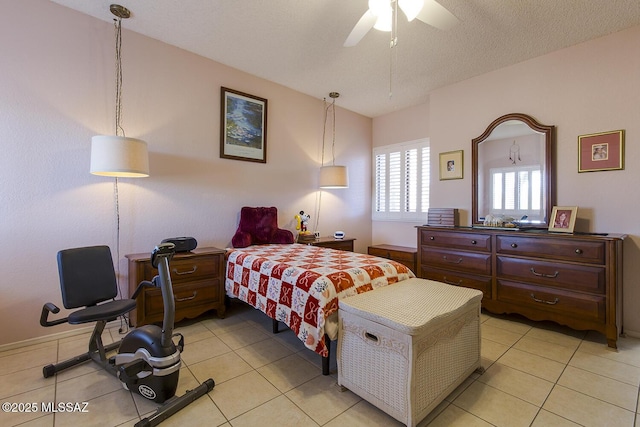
(299, 43)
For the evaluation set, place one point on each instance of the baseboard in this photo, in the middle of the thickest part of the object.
(632, 334)
(54, 336)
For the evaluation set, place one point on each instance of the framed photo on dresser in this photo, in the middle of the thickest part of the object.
(563, 219)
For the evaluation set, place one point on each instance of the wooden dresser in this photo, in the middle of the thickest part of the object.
(345, 244)
(571, 279)
(402, 254)
(198, 285)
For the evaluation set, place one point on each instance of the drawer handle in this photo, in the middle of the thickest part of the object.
(579, 251)
(548, 276)
(181, 273)
(554, 302)
(448, 282)
(444, 257)
(432, 238)
(371, 337)
(473, 242)
(186, 298)
(514, 245)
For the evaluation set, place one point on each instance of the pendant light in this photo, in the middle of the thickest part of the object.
(117, 155)
(332, 176)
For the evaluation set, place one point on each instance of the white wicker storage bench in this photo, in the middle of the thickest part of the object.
(407, 346)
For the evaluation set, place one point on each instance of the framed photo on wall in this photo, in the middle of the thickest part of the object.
(451, 165)
(243, 126)
(601, 151)
(563, 219)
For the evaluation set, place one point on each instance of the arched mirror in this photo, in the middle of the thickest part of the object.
(512, 173)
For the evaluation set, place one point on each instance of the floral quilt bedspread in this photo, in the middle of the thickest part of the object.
(300, 285)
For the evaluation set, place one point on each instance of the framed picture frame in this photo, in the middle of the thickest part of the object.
(451, 165)
(243, 126)
(563, 219)
(601, 151)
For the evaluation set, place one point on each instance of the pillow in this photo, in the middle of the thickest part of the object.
(259, 226)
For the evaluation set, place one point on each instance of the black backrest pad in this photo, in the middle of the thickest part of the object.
(87, 276)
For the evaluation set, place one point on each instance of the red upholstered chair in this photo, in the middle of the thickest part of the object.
(259, 226)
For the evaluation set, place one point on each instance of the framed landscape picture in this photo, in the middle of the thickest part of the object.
(601, 151)
(243, 126)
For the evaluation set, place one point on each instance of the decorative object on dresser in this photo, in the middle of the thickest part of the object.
(198, 285)
(401, 254)
(443, 216)
(509, 193)
(563, 219)
(243, 126)
(451, 165)
(571, 279)
(302, 221)
(601, 151)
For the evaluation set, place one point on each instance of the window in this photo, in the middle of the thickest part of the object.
(516, 191)
(401, 181)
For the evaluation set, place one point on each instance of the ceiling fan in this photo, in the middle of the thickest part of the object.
(382, 15)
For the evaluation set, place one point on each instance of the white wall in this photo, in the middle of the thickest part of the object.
(405, 125)
(57, 90)
(589, 88)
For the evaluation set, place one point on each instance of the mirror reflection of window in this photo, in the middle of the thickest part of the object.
(516, 192)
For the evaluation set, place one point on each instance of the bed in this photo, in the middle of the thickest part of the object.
(300, 285)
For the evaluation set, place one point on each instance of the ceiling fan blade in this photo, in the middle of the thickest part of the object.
(361, 29)
(434, 14)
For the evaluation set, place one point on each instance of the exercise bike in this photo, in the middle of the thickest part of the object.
(147, 360)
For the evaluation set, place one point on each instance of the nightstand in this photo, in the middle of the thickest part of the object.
(345, 244)
(198, 285)
(402, 254)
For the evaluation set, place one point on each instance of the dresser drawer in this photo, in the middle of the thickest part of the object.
(575, 277)
(572, 304)
(457, 240)
(198, 285)
(459, 279)
(401, 254)
(557, 249)
(185, 296)
(389, 252)
(471, 262)
(187, 269)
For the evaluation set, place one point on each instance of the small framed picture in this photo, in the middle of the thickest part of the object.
(563, 219)
(601, 151)
(451, 165)
(243, 126)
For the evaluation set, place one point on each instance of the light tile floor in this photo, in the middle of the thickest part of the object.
(537, 374)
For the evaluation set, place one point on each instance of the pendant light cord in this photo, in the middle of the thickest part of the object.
(393, 43)
(331, 106)
(118, 31)
(326, 108)
(124, 320)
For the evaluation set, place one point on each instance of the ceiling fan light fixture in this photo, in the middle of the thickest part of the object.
(378, 7)
(384, 21)
(411, 8)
